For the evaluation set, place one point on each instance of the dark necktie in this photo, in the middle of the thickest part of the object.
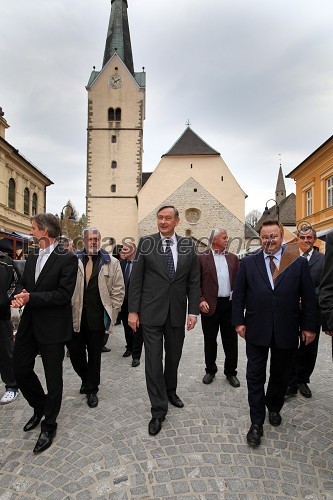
(89, 268)
(272, 265)
(127, 275)
(169, 258)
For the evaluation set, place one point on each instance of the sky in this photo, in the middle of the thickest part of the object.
(253, 77)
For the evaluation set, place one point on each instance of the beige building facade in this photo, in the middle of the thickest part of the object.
(22, 186)
(121, 200)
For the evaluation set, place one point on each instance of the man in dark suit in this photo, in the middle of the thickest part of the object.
(218, 269)
(45, 289)
(326, 289)
(269, 286)
(306, 355)
(165, 276)
(134, 340)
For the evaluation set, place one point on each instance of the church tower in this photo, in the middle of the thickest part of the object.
(280, 190)
(116, 111)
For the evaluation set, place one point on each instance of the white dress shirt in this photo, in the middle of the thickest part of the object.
(44, 254)
(222, 272)
(277, 259)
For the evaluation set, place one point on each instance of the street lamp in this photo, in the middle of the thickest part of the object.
(71, 216)
(267, 212)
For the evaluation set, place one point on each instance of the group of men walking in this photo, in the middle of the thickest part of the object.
(269, 299)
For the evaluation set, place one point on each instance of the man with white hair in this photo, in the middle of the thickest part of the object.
(97, 298)
(218, 269)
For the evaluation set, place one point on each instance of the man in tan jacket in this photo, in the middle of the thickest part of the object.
(97, 298)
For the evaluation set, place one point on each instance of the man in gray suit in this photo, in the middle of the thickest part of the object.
(165, 276)
(306, 354)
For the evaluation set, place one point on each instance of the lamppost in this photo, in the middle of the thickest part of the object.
(71, 217)
(267, 212)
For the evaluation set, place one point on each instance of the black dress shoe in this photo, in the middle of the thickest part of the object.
(305, 390)
(175, 400)
(127, 353)
(274, 418)
(233, 381)
(44, 441)
(92, 400)
(208, 378)
(135, 363)
(105, 349)
(254, 435)
(155, 425)
(291, 391)
(33, 422)
(83, 390)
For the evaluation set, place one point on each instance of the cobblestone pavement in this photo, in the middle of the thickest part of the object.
(201, 452)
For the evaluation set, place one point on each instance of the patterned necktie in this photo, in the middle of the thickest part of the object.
(89, 268)
(169, 258)
(272, 265)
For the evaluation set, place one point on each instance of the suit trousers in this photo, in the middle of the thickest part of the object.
(280, 363)
(304, 361)
(6, 354)
(85, 350)
(220, 320)
(25, 351)
(134, 340)
(127, 329)
(161, 383)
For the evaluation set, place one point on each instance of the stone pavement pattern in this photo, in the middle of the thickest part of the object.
(201, 452)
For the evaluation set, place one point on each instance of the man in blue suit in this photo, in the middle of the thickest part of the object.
(269, 287)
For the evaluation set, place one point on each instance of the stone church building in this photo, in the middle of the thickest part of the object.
(121, 199)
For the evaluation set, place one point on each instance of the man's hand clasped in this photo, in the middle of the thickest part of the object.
(21, 299)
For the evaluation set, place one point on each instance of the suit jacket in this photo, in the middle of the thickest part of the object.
(208, 278)
(153, 292)
(326, 286)
(48, 311)
(316, 265)
(274, 313)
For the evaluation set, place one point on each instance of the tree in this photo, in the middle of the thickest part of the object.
(253, 217)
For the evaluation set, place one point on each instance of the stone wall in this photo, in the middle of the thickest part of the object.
(199, 213)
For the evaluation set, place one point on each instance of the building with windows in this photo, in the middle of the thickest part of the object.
(22, 186)
(121, 200)
(314, 187)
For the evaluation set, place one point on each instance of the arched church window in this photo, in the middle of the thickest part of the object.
(111, 115)
(113, 164)
(26, 204)
(113, 188)
(118, 115)
(11, 193)
(34, 204)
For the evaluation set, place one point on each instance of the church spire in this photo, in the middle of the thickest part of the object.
(280, 191)
(118, 39)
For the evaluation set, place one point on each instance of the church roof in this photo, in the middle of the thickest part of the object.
(287, 212)
(145, 176)
(189, 144)
(280, 185)
(118, 37)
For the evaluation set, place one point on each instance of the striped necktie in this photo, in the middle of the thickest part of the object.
(169, 258)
